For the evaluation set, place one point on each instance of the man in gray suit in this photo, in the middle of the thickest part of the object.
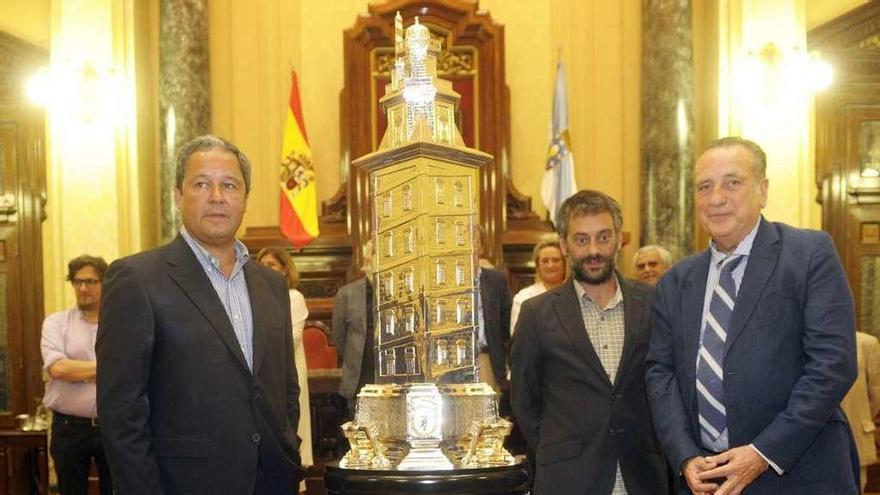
(352, 327)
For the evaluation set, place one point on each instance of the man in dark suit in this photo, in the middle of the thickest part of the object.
(493, 322)
(577, 366)
(197, 389)
(352, 328)
(494, 332)
(753, 346)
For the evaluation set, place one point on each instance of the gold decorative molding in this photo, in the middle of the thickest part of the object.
(870, 43)
(457, 61)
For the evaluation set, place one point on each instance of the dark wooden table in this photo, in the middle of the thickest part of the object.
(36, 462)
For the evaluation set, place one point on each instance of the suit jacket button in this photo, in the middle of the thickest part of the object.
(255, 438)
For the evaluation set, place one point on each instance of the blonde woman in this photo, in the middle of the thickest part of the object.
(550, 272)
(277, 259)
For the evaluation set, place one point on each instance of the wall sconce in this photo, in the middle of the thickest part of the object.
(773, 74)
(88, 93)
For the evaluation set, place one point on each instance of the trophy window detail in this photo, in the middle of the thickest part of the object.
(409, 240)
(460, 233)
(439, 191)
(389, 244)
(461, 308)
(390, 362)
(441, 272)
(439, 227)
(387, 287)
(407, 197)
(458, 194)
(409, 356)
(386, 205)
(440, 309)
(460, 352)
(409, 281)
(388, 322)
(409, 319)
(442, 352)
(459, 273)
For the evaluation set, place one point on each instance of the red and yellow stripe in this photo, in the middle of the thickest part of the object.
(298, 216)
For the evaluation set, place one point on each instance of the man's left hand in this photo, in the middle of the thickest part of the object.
(740, 465)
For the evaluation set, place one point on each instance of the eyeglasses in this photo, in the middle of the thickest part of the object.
(84, 282)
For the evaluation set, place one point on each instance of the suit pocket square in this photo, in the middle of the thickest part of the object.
(182, 446)
(560, 451)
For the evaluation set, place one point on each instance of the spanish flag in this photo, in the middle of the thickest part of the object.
(299, 204)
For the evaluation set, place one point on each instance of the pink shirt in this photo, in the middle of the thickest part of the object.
(67, 335)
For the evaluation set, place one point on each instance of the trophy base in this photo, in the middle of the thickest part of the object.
(502, 480)
(426, 427)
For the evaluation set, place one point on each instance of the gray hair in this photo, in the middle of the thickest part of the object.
(588, 202)
(665, 255)
(759, 158)
(209, 142)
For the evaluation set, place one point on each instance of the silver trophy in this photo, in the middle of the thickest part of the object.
(427, 410)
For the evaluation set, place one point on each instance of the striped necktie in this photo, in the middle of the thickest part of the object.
(710, 364)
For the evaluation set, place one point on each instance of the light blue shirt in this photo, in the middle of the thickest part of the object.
(232, 291)
(744, 248)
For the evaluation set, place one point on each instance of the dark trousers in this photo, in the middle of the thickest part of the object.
(75, 442)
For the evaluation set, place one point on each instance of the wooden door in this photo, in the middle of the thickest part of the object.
(22, 197)
(848, 151)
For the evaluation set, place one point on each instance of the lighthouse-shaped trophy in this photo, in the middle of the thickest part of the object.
(426, 410)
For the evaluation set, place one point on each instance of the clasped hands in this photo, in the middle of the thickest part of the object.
(727, 473)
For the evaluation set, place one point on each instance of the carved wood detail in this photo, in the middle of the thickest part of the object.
(850, 199)
(23, 193)
(473, 50)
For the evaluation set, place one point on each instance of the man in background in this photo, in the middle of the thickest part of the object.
(651, 263)
(494, 303)
(352, 327)
(68, 348)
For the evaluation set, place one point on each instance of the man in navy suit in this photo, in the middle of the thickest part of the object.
(197, 388)
(753, 346)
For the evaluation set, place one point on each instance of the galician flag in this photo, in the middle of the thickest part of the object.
(558, 182)
(299, 200)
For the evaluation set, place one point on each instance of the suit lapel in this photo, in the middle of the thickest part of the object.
(260, 295)
(568, 310)
(633, 314)
(761, 264)
(693, 296)
(188, 274)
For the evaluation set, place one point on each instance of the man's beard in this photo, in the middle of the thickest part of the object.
(88, 306)
(582, 275)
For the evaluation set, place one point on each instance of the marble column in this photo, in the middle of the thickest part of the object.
(667, 125)
(184, 91)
